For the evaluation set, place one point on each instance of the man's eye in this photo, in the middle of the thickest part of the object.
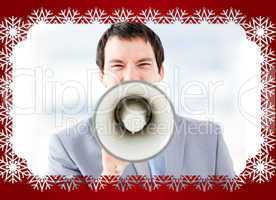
(117, 67)
(144, 65)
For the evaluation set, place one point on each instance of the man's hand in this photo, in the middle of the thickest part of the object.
(111, 165)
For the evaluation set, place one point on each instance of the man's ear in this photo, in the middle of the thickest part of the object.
(161, 72)
(101, 77)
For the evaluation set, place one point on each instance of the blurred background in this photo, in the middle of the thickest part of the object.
(211, 73)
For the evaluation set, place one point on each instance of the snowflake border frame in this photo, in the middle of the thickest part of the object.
(258, 29)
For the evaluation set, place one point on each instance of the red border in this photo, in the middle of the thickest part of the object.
(247, 8)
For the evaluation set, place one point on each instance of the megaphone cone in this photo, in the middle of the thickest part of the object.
(134, 121)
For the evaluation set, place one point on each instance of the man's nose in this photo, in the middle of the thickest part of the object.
(131, 73)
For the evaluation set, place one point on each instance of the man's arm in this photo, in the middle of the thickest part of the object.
(59, 161)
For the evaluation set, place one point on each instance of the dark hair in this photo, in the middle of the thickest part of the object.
(127, 30)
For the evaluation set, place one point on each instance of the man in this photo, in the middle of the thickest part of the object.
(132, 51)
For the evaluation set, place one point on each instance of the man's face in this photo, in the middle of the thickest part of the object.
(127, 60)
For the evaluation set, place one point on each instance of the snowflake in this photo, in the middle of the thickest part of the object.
(169, 182)
(149, 15)
(5, 144)
(12, 31)
(6, 73)
(13, 168)
(42, 183)
(178, 184)
(231, 183)
(6, 61)
(6, 100)
(155, 182)
(204, 16)
(69, 183)
(4, 85)
(149, 184)
(127, 183)
(69, 16)
(121, 15)
(268, 140)
(144, 182)
(267, 59)
(40, 16)
(6, 58)
(204, 183)
(261, 30)
(177, 15)
(95, 15)
(4, 113)
(261, 168)
(6, 126)
(268, 86)
(267, 113)
(100, 183)
(232, 16)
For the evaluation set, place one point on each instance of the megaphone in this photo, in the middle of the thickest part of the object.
(134, 121)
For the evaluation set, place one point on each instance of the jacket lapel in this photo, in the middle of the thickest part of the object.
(142, 168)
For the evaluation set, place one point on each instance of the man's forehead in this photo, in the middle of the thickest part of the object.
(127, 39)
(119, 49)
(138, 60)
(117, 42)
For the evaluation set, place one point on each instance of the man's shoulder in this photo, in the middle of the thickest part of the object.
(191, 126)
(75, 139)
(204, 150)
(79, 133)
(71, 150)
(198, 137)
(79, 129)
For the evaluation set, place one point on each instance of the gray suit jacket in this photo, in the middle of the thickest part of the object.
(196, 148)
